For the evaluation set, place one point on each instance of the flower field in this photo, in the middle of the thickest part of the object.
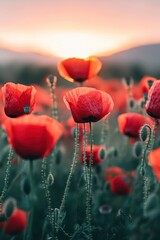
(82, 162)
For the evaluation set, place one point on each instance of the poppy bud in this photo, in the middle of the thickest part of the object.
(105, 209)
(50, 179)
(26, 186)
(150, 83)
(137, 149)
(131, 103)
(9, 206)
(51, 79)
(128, 81)
(144, 133)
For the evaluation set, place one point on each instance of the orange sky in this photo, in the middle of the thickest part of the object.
(78, 28)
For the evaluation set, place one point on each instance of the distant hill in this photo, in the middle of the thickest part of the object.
(146, 56)
(8, 56)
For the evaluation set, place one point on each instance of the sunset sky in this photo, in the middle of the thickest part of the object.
(78, 28)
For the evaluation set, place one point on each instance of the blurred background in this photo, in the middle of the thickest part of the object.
(35, 35)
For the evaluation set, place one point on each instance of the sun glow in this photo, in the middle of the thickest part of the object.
(66, 43)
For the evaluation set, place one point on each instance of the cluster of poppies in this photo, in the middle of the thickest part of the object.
(35, 136)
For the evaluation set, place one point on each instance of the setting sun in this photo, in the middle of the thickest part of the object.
(66, 44)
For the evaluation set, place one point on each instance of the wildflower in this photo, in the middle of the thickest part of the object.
(16, 98)
(144, 84)
(153, 103)
(78, 69)
(88, 104)
(131, 123)
(120, 186)
(153, 160)
(32, 136)
(98, 154)
(16, 223)
(112, 172)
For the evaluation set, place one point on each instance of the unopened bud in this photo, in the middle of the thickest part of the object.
(128, 81)
(50, 179)
(145, 97)
(131, 103)
(150, 83)
(9, 206)
(144, 133)
(137, 149)
(26, 186)
(105, 209)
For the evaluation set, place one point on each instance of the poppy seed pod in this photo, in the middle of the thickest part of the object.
(78, 69)
(88, 104)
(18, 99)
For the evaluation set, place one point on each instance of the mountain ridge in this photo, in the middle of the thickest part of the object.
(147, 56)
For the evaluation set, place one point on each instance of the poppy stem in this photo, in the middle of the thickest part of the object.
(144, 163)
(74, 162)
(50, 214)
(104, 132)
(153, 133)
(28, 232)
(89, 192)
(84, 157)
(52, 81)
(6, 179)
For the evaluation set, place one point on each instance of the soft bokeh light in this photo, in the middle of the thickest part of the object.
(78, 28)
(67, 44)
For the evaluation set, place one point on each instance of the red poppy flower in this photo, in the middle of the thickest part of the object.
(153, 160)
(32, 136)
(120, 186)
(131, 123)
(153, 102)
(16, 223)
(144, 83)
(88, 104)
(16, 97)
(78, 69)
(98, 154)
(112, 172)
